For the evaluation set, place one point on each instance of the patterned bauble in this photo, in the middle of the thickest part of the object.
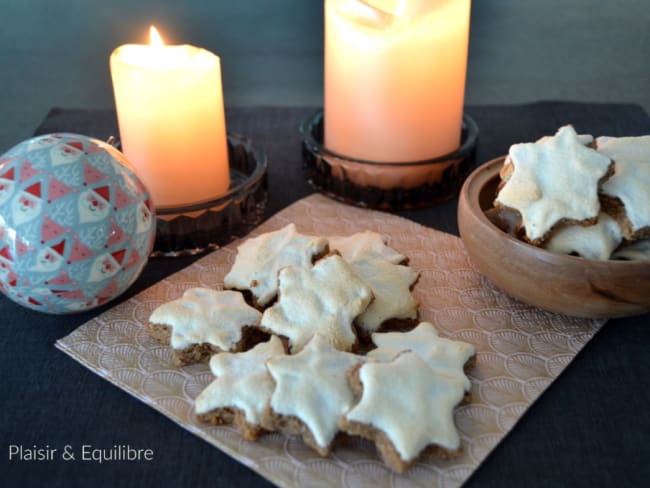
(76, 223)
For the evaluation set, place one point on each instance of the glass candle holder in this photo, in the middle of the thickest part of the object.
(385, 185)
(208, 225)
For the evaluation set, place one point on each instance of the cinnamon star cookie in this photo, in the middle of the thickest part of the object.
(391, 282)
(444, 356)
(405, 409)
(629, 187)
(311, 393)
(365, 245)
(203, 322)
(552, 181)
(242, 389)
(325, 299)
(596, 241)
(259, 260)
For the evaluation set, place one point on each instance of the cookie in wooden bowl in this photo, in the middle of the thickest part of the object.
(556, 282)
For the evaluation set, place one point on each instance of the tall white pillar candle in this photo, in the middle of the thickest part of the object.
(395, 77)
(171, 118)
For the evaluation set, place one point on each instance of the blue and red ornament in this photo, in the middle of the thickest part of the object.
(76, 223)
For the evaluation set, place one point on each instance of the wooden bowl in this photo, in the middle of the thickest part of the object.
(556, 282)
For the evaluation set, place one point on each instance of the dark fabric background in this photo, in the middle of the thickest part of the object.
(590, 428)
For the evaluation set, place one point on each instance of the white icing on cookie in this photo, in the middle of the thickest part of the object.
(444, 356)
(259, 260)
(391, 287)
(585, 139)
(312, 386)
(412, 406)
(365, 245)
(553, 180)
(323, 299)
(243, 381)
(634, 251)
(207, 316)
(378, 266)
(592, 242)
(631, 180)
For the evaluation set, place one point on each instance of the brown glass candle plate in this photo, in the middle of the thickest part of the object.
(385, 185)
(205, 226)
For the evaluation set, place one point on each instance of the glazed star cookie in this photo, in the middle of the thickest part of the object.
(585, 139)
(259, 260)
(405, 409)
(391, 283)
(365, 245)
(311, 393)
(242, 389)
(444, 356)
(203, 322)
(627, 193)
(596, 241)
(325, 299)
(554, 181)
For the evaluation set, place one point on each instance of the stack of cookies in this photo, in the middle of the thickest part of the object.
(574, 194)
(319, 337)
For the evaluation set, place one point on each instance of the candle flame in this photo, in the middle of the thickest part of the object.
(400, 8)
(154, 37)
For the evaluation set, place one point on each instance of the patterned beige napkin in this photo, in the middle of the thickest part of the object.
(521, 350)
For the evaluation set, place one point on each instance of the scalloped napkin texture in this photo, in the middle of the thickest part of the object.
(520, 351)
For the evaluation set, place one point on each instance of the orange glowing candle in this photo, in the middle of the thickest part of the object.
(171, 118)
(395, 77)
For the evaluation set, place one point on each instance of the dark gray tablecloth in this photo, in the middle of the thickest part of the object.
(591, 427)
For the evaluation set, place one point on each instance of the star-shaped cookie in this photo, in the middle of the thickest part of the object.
(241, 392)
(630, 184)
(259, 260)
(312, 392)
(405, 409)
(596, 241)
(203, 322)
(379, 266)
(444, 356)
(365, 245)
(552, 181)
(391, 286)
(324, 299)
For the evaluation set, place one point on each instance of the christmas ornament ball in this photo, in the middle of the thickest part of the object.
(76, 223)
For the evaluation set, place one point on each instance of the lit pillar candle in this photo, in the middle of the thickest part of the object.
(395, 77)
(170, 112)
